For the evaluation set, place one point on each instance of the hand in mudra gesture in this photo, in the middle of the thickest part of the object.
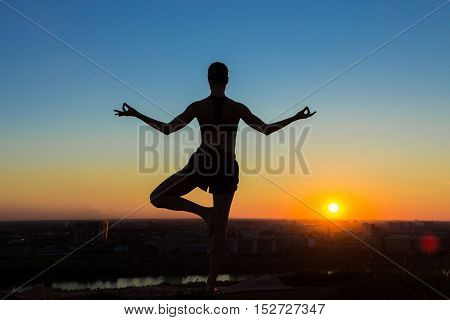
(305, 113)
(126, 111)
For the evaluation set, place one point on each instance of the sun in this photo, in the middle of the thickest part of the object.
(333, 208)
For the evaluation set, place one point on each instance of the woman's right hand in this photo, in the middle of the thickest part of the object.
(305, 113)
(126, 111)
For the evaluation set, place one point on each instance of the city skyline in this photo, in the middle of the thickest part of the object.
(304, 249)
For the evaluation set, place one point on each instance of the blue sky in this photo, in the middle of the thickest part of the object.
(57, 108)
(276, 51)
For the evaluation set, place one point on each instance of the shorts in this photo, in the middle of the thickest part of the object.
(212, 171)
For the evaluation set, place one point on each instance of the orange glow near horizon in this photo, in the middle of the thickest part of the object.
(94, 190)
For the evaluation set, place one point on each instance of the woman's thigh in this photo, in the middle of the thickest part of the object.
(175, 185)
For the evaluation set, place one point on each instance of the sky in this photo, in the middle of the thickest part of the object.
(379, 144)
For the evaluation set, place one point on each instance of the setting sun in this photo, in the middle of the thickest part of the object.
(333, 207)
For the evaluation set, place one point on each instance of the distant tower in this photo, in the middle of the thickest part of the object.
(377, 236)
(87, 230)
(105, 230)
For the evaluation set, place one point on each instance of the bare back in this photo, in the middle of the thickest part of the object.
(218, 118)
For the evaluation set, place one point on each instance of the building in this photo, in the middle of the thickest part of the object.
(247, 246)
(94, 231)
(376, 236)
(266, 246)
(398, 244)
(311, 242)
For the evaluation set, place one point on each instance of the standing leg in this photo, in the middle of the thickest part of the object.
(222, 205)
(168, 195)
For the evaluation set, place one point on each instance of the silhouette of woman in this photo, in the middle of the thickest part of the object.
(213, 167)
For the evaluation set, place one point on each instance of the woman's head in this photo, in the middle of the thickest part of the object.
(218, 74)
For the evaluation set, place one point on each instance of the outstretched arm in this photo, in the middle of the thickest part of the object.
(259, 125)
(176, 124)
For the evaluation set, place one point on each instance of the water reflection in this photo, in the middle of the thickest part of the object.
(122, 283)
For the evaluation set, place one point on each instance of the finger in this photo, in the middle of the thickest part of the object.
(117, 110)
(311, 114)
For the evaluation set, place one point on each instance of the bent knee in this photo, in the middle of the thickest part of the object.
(156, 199)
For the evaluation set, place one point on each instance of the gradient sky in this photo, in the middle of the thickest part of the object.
(380, 143)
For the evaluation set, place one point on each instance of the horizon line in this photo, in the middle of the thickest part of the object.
(199, 219)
